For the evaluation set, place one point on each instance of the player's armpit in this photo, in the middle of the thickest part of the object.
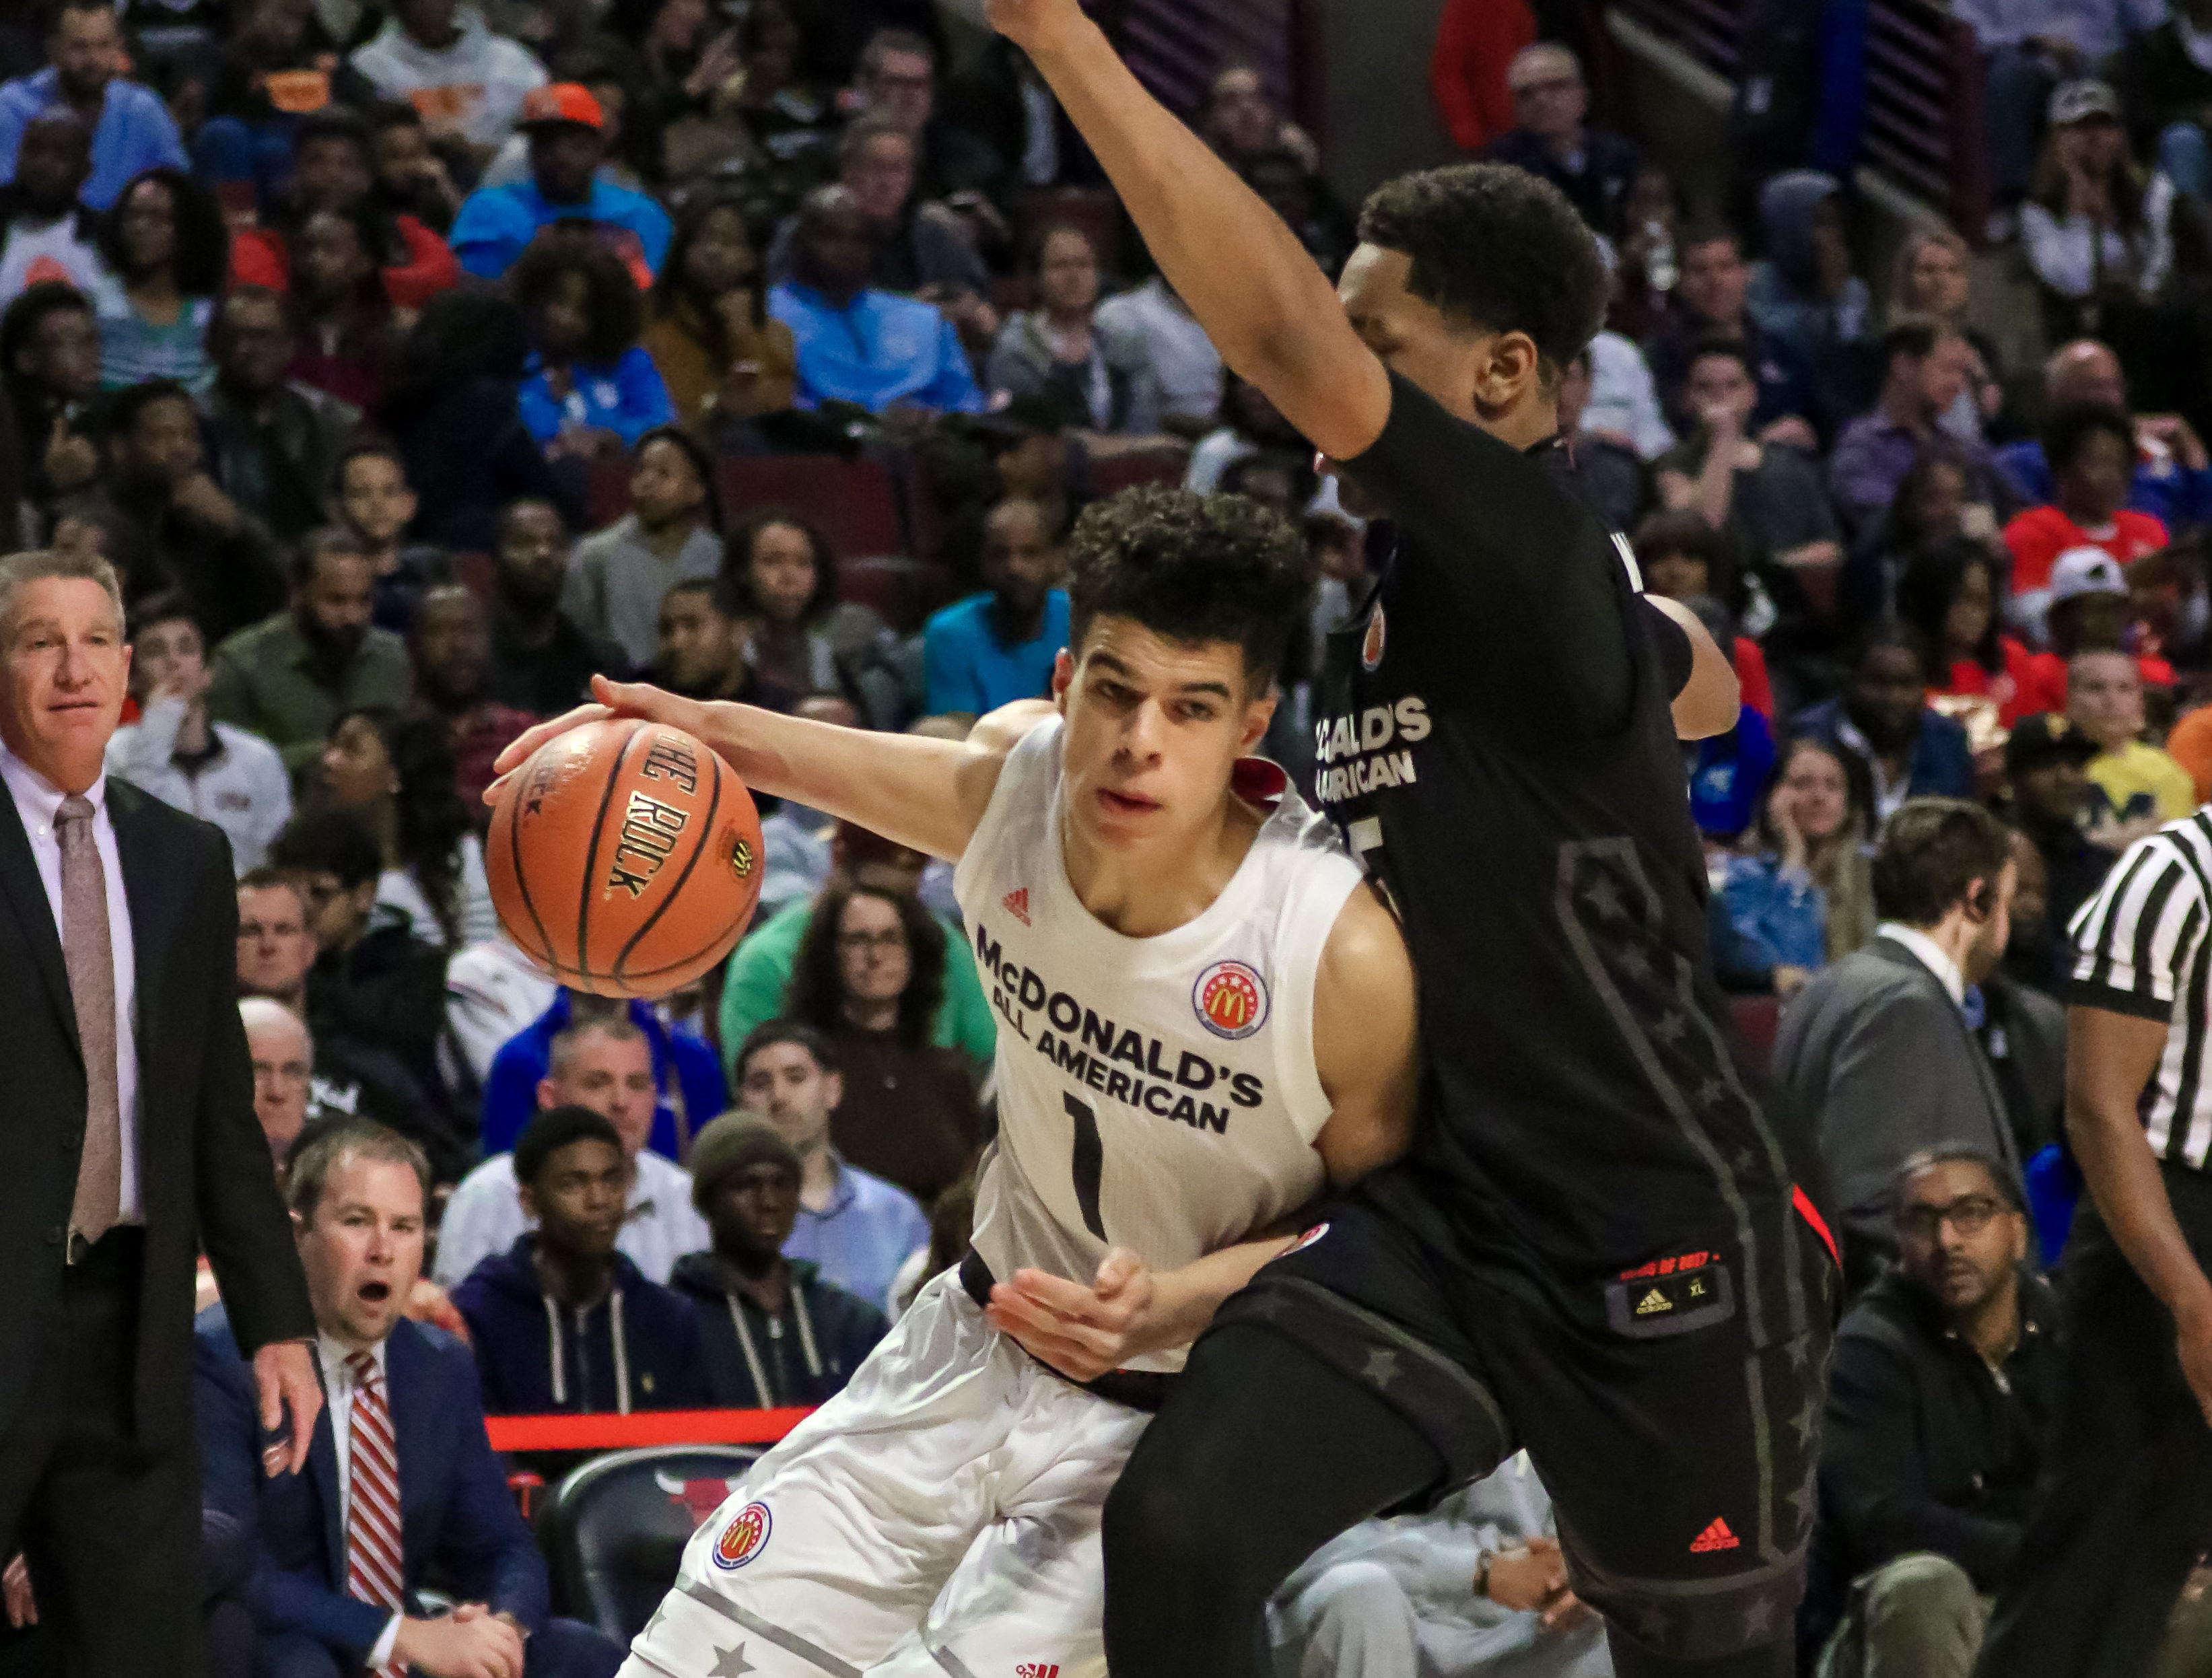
(1366, 1045)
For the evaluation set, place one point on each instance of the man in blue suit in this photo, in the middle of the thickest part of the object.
(400, 1445)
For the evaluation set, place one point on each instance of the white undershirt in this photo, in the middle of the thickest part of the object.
(1932, 957)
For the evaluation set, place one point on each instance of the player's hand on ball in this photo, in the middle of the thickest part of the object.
(1082, 1332)
(613, 699)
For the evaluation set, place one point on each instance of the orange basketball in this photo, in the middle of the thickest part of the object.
(625, 858)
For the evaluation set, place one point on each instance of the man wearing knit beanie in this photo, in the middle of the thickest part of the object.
(772, 1331)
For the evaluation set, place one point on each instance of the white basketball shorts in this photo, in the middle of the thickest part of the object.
(939, 1516)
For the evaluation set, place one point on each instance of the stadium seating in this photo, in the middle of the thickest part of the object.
(616, 1529)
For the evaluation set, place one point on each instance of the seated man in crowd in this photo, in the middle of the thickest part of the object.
(1882, 718)
(562, 1321)
(342, 1553)
(701, 649)
(994, 647)
(2046, 759)
(684, 1072)
(1709, 302)
(856, 1228)
(283, 1057)
(1878, 1050)
(50, 346)
(445, 61)
(772, 1333)
(1925, 366)
(567, 146)
(374, 504)
(290, 678)
(1943, 1381)
(276, 441)
(856, 344)
(1550, 137)
(373, 991)
(604, 1065)
(46, 229)
(2172, 478)
(2134, 787)
(672, 533)
(178, 520)
(178, 753)
(758, 980)
(450, 645)
(541, 660)
(86, 64)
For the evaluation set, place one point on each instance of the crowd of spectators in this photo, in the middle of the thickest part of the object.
(414, 361)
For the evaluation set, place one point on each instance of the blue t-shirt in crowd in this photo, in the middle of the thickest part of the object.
(627, 399)
(496, 223)
(968, 670)
(879, 348)
(135, 131)
(869, 1229)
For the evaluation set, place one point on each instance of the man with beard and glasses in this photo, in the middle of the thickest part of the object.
(47, 231)
(541, 660)
(290, 676)
(1883, 719)
(1945, 1374)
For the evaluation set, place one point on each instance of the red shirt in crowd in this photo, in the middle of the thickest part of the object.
(1476, 39)
(2040, 535)
(1751, 676)
(2045, 689)
(258, 257)
(2015, 688)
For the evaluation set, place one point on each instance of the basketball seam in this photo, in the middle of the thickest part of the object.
(706, 834)
(592, 854)
(522, 879)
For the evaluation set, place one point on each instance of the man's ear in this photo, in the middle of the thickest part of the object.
(529, 1200)
(833, 1084)
(1506, 369)
(1063, 678)
(1258, 713)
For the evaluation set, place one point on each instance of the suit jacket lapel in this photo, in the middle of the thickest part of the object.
(1992, 1096)
(323, 1463)
(27, 896)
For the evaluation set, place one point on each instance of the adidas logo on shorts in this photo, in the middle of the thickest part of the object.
(1715, 1537)
(1036, 1669)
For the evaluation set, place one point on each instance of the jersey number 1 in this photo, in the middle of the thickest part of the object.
(1087, 1163)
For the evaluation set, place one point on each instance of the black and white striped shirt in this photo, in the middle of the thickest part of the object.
(2140, 948)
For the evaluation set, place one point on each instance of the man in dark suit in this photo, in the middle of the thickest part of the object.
(401, 1478)
(129, 1132)
(1879, 1050)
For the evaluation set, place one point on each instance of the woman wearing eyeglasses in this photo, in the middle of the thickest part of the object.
(870, 973)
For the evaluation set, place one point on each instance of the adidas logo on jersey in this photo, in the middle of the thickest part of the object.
(1036, 1669)
(1715, 1537)
(1653, 1302)
(1017, 903)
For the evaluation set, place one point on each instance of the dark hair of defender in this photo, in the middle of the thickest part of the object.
(1497, 249)
(1192, 569)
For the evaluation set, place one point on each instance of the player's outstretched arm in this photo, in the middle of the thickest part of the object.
(1272, 314)
(926, 793)
(1711, 701)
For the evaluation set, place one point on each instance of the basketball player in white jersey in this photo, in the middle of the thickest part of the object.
(1204, 1018)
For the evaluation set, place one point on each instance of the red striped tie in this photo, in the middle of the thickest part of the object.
(373, 1552)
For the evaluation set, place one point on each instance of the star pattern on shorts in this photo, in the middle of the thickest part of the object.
(1637, 963)
(1711, 1093)
(1806, 1422)
(1604, 896)
(659, 1614)
(730, 1663)
(1266, 1304)
(1669, 1028)
(1801, 1500)
(1758, 1618)
(1744, 1159)
(1653, 1621)
(1382, 1366)
(1799, 1348)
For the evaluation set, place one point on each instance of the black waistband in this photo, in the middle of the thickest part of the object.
(1145, 1389)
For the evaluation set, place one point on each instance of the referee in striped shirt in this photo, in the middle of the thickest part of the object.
(2125, 1505)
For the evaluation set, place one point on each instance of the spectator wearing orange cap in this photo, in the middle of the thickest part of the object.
(568, 143)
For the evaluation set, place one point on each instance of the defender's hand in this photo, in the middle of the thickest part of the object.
(1032, 25)
(1082, 1332)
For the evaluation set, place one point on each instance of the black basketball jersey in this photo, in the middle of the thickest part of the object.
(1495, 738)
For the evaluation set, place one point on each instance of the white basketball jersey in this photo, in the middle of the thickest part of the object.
(1154, 1093)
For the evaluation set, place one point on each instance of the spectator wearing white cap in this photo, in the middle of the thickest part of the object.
(2090, 610)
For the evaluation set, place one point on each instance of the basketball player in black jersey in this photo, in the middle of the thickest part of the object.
(1600, 1248)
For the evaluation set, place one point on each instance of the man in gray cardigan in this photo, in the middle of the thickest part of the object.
(1879, 1050)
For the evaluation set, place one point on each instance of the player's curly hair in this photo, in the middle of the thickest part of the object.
(1192, 568)
(1496, 248)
